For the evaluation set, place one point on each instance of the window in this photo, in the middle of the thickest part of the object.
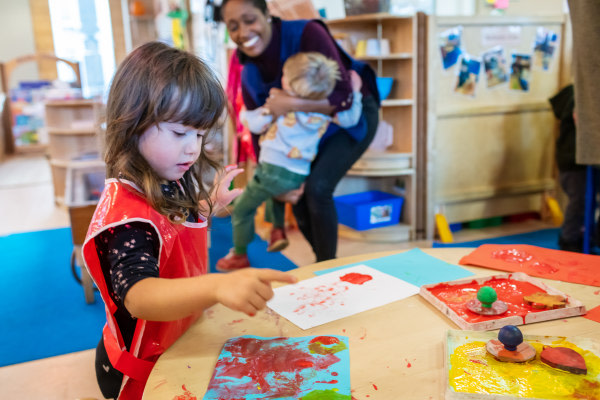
(82, 32)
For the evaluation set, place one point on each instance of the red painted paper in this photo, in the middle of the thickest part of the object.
(593, 314)
(537, 261)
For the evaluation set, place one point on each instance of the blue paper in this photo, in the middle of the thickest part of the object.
(413, 266)
(309, 367)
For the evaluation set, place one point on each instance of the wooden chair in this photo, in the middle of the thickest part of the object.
(6, 69)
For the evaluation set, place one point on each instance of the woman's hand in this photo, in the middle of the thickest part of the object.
(280, 102)
(222, 195)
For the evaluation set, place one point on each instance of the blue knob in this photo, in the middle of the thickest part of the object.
(510, 336)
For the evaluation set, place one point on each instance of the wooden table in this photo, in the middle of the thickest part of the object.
(396, 351)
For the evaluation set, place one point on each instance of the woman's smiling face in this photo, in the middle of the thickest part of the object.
(248, 27)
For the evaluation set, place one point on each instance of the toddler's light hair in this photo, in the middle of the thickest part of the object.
(311, 75)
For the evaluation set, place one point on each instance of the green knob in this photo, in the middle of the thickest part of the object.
(486, 295)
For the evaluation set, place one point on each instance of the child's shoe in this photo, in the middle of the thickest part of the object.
(233, 262)
(278, 241)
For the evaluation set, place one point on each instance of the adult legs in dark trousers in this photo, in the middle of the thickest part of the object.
(571, 232)
(315, 211)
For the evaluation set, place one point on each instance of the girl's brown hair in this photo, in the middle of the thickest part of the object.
(158, 83)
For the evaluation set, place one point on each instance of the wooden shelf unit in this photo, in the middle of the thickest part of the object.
(73, 141)
(400, 164)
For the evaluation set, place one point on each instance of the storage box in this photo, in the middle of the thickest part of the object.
(368, 210)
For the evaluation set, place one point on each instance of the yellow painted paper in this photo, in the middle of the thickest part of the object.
(474, 370)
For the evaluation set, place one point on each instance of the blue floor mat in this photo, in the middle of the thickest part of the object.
(547, 238)
(43, 311)
(221, 240)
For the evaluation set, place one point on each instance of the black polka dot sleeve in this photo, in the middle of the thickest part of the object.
(132, 251)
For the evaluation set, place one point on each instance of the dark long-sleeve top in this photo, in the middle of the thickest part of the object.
(314, 38)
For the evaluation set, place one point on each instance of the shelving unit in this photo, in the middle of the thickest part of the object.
(72, 140)
(400, 165)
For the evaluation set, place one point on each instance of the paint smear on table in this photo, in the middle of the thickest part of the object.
(559, 265)
(474, 370)
(337, 295)
(308, 368)
(510, 291)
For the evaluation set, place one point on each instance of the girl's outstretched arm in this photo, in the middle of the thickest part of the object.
(246, 290)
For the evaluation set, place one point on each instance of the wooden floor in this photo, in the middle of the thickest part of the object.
(27, 204)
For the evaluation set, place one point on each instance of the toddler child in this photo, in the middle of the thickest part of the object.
(146, 246)
(287, 148)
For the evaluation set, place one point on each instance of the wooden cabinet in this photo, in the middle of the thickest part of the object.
(73, 143)
(392, 46)
(492, 153)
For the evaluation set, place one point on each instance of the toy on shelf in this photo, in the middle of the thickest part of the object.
(487, 302)
(509, 346)
(479, 304)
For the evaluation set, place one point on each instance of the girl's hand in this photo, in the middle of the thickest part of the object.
(280, 102)
(222, 196)
(249, 289)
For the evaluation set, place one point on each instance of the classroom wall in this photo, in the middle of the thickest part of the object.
(16, 33)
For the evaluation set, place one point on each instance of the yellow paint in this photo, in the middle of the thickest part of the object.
(473, 370)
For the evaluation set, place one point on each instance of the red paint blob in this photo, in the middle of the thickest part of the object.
(325, 340)
(331, 381)
(510, 291)
(334, 373)
(408, 364)
(355, 278)
(375, 386)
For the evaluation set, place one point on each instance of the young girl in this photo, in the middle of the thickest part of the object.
(146, 245)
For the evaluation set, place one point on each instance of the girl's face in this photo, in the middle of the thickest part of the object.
(248, 27)
(171, 148)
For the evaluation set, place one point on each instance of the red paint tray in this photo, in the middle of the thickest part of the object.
(451, 298)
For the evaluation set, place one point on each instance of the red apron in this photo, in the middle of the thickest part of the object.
(183, 253)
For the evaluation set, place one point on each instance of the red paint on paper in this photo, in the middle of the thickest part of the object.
(331, 381)
(356, 278)
(327, 340)
(559, 265)
(593, 314)
(408, 364)
(510, 291)
(512, 256)
(375, 386)
(322, 296)
(275, 359)
(597, 292)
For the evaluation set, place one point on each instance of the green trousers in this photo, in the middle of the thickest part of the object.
(268, 181)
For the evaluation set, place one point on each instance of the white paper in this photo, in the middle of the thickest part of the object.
(330, 297)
